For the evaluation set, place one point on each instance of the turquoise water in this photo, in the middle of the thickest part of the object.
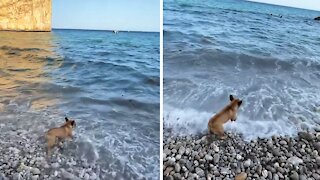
(108, 83)
(264, 54)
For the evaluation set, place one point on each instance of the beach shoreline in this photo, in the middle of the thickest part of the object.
(277, 157)
(23, 156)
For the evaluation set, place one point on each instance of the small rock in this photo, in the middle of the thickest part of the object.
(86, 176)
(167, 151)
(208, 157)
(67, 175)
(316, 176)
(188, 150)
(55, 165)
(239, 157)
(247, 163)
(294, 160)
(93, 176)
(215, 148)
(169, 178)
(318, 160)
(196, 163)
(204, 139)
(294, 176)
(264, 173)
(35, 171)
(178, 157)
(224, 171)
(177, 176)
(173, 151)
(182, 150)
(216, 158)
(177, 168)
(171, 161)
(35, 177)
(302, 177)
(283, 142)
(276, 152)
(200, 172)
(167, 171)
(16, 176)
(317, 145)
(241, 176)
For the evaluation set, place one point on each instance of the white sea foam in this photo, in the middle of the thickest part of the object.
(191, 122)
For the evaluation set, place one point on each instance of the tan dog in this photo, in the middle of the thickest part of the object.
(65, 131)
(229, 112)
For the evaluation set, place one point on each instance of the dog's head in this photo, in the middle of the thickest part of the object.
(70, 123)
(235, 103)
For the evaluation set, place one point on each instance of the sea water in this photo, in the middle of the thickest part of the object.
(266, 55)
(108, 83)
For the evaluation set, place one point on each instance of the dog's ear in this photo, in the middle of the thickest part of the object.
(239, 103)
(72, 123)
(66, 119)
(231, 98)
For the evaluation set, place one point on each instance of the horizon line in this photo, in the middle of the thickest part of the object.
(106, 30)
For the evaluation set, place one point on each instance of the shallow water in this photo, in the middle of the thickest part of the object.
(108, 83)
(213, 49)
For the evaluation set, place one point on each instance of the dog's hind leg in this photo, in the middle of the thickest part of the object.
(220, 132)
(50, 144)
(212, 135)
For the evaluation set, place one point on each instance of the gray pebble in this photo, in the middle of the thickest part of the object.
(55, 165)
(200, 172)
(93, 176)
(177, 167)
(224, 171)
(35, 171)
(238, 157)
(208, 157)
(247, 163)
(316, 176)
(35, 177)
(264, 173)
(86, 176)
(275, 177)
(216, 158)
(294, 176)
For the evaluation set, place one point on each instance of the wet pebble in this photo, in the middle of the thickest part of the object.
(269, 158)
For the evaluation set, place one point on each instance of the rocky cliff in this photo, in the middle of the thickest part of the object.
(25, 15)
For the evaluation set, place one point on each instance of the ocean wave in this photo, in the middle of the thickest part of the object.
(189, 121)
(10, 48)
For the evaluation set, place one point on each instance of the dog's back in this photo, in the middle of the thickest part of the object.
(59, 132)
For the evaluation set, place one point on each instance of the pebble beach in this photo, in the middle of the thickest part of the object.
(277, 157)
(23, 156)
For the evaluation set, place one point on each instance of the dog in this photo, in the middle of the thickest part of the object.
(63, 132)
(215, 124)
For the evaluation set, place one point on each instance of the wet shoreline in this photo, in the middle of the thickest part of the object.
(23, 156)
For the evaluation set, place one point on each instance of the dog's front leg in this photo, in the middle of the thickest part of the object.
(70, 136)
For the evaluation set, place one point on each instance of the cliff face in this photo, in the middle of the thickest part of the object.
(25, 15)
